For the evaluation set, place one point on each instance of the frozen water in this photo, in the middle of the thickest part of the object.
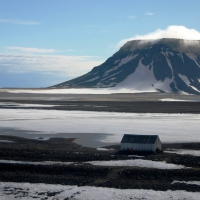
(169, 127)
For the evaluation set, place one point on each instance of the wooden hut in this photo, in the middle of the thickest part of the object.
(140, 142)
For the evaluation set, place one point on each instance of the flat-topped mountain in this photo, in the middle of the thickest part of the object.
(166, 65)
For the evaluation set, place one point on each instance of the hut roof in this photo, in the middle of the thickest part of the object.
(142, 139)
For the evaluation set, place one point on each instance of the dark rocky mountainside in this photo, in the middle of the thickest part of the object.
(165, 65)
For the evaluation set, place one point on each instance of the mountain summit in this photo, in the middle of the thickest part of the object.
(165, 65)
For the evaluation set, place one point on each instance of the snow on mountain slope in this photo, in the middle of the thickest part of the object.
(167, 65)
(136, 80)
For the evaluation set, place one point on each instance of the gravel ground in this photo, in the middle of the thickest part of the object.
(78, 173)
(66, 150)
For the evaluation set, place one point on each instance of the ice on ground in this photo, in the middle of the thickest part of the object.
(104, 149)
(171, 99)
(100, 106)
(35, 163)
(188, 182)
(135, 156)
(169, 127)
(24, 191)
(123, 87)
(95, 106)
(137, 163)
(6, 141)
(12, 104)
(184, 152)
(74, 91)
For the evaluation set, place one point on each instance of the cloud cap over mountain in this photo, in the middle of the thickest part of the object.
(174, 31)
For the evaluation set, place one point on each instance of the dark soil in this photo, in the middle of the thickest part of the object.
(79, 173)
(112, 106)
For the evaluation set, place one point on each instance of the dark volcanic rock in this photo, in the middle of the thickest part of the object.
(84, 174)
(165, 65)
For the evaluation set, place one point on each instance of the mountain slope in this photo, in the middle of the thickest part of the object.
(168, 65)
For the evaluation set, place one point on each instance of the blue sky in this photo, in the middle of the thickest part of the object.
(45, 42)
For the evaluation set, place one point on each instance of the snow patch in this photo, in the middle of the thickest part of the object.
(193, 57)
(187, 182)
(171, 53)
(127, 59)
(92, 79)
(112, 79)
(104, 149)
(181, 57)
(35, 163)
(6, 141)
(143, 79)
(171, 99)
(137, 163)
(185, 79)
(122, 62)
(184, 152)
(187, 82)
(100, 106)
(107, 77)
(24, 191)
(194, 88)
(168, 62)
(12, 104)
(116, 61)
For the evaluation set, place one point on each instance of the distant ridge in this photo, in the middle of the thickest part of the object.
(164, 65)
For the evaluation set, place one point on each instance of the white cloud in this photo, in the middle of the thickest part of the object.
(174, 31)
(149, 13)
(31, 50)
(61, 65)
(21, 22)
(131, 16)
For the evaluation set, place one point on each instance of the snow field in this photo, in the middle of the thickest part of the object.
(137, 163)
(127, 163)
(169, 127)
(13, 191)
(184, 152)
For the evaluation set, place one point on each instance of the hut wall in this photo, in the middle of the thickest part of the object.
(158, 144)
(138, 147)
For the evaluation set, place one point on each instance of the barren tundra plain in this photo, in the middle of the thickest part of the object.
(67, 146)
